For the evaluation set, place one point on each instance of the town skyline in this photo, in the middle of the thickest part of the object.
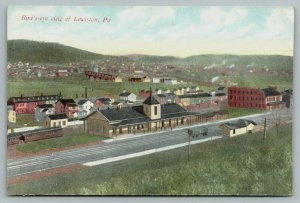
(161, 31)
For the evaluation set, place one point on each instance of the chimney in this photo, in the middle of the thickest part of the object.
(42, 94)
(21, 95)
(86, 92)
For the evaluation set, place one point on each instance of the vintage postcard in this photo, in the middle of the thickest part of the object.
(149, 100)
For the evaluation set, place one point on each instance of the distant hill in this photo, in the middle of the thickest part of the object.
(247, 61)
(44, 52)
(153, 59)
(223, 60)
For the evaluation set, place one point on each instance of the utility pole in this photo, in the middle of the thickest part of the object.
(265, 128)
(189, 148)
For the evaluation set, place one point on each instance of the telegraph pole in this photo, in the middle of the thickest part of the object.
(265, 128)
(189, 149)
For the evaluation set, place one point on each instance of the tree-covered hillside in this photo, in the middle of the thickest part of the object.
(43, 52)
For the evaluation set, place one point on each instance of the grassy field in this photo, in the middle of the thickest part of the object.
(54, 143)
(27, 120)
(237, 112)
(263, 81)
(75, 85)
(244, 165)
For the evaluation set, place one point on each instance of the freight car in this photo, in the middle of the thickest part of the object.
(34, 135)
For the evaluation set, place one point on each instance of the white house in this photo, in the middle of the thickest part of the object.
(171, 81)
(56, 120)
(179, 91)
(158, 91)
(239, 127)
(127, 97)
(11, 115)
(85, 107)
(41, 111)
(156, 80)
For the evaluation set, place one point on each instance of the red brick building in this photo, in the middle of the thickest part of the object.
(67, 106)
(26, 105)
(254, 98)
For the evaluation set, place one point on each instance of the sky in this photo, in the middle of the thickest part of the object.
(158, 30)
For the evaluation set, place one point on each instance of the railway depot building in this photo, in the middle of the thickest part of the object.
(151, 116)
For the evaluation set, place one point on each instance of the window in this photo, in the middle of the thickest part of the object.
(155, 110)
(234, 131)
(64, 122)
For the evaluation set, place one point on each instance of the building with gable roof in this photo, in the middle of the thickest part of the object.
(67, 106)
(41, 111)
(56, 120)
(239, 127)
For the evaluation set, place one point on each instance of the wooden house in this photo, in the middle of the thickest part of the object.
(127, 97)
(239, 127)
(56, 120)
(67, 106)
(41, 111)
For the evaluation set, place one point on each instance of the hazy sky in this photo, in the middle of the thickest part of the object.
(178, 31)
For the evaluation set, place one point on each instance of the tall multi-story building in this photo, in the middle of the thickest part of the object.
(255, 98)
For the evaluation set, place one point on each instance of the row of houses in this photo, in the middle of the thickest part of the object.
(91, 75)
(27, 104)
(102, 76)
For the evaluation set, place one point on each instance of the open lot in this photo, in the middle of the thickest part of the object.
(237, 112)
(73, 86)
(244, 165)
